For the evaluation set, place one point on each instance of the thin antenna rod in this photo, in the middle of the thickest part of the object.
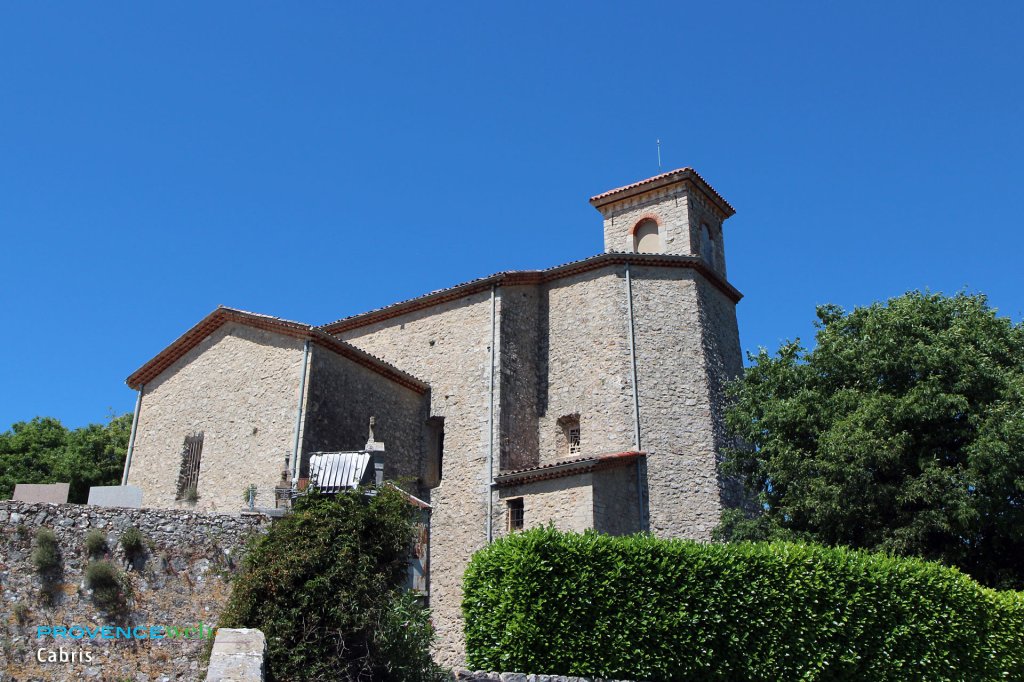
(659, 155)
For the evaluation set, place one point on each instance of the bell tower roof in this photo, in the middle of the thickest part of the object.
(680, 176)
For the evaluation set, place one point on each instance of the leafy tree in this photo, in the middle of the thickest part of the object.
(44, 451)
(324, 586)
(902, 431)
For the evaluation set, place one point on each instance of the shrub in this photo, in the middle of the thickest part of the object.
(46, 555)
(133, 542)
(95, 543)
(191, 495)
(324, 587)
(642, 608)
(107, 584)
(21, 612)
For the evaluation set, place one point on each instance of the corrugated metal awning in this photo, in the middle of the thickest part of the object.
(337, 471)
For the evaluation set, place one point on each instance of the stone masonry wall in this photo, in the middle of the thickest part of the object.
(616, 506)
(566, 502)
(342, 397)
(676, 424)
(182, 579)
(724, 363)
(240, 387)
(520, 329)
(448, 346)
(585, 360)
(670, 207)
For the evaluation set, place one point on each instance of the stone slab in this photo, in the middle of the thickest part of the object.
(53, 493)
(116, 496)
(237, 656)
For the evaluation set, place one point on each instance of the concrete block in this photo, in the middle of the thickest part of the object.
(237, 656)
(54, 493)
(116, 496)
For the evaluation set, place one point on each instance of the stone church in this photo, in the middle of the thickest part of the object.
(587, 395)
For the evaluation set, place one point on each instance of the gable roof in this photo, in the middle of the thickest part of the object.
(663, 180)
(223, 315)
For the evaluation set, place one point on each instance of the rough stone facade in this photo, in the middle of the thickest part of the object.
(333, 425)
(449, 347)
(182, 578)
(240, 388)
(632, 349)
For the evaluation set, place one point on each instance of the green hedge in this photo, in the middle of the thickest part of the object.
(647, 609)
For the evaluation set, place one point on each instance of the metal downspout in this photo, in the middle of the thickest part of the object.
(490, 432)
(641, 461)
(298, 414)
(632, 360)
(131, 438)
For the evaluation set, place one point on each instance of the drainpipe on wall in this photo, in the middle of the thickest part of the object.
(641, 462)
(131, 438)
(298, 414)
(490, 432)
(632, 360)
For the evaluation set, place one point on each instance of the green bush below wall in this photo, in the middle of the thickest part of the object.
(647, 609)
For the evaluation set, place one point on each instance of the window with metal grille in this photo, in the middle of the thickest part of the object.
(568, 439)
(516, 514)
(188, 476)
(573, 436)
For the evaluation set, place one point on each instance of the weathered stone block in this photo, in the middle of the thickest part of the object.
(53, 493)
(237, 656)
(116, 496)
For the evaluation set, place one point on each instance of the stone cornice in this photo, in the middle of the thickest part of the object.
(659, 185)
(525, 277)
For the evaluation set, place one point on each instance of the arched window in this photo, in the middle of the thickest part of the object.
(646, 238)
(707, 245)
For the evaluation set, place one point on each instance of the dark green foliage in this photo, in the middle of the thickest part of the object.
(46, 555)
(95, 543)
(403, 638)
(641, 608)
(107, 584)
(133, 542)
(323, 586)
(44, 451)
(902, 431)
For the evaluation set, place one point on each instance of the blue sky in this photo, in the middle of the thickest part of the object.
(314, 160)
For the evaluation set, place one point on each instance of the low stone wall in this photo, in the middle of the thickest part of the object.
(480, 676)
(181, 579)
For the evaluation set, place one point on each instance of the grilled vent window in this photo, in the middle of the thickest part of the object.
(574, 441)
(515, 514)
(191, 452)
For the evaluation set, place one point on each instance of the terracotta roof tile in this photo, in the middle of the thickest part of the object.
(665, 179)
(566, 467)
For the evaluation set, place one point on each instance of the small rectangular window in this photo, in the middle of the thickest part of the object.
(516, 514)
(574, 441)
(188, 476)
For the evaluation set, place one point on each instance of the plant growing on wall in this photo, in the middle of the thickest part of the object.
(109, 586)
(324, 585)
(133, 542)
(95, 543)
(46, 555)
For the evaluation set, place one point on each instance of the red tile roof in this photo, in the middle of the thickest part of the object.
(519, 277)
(566, 467)
(669, 178)
(223, 315)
